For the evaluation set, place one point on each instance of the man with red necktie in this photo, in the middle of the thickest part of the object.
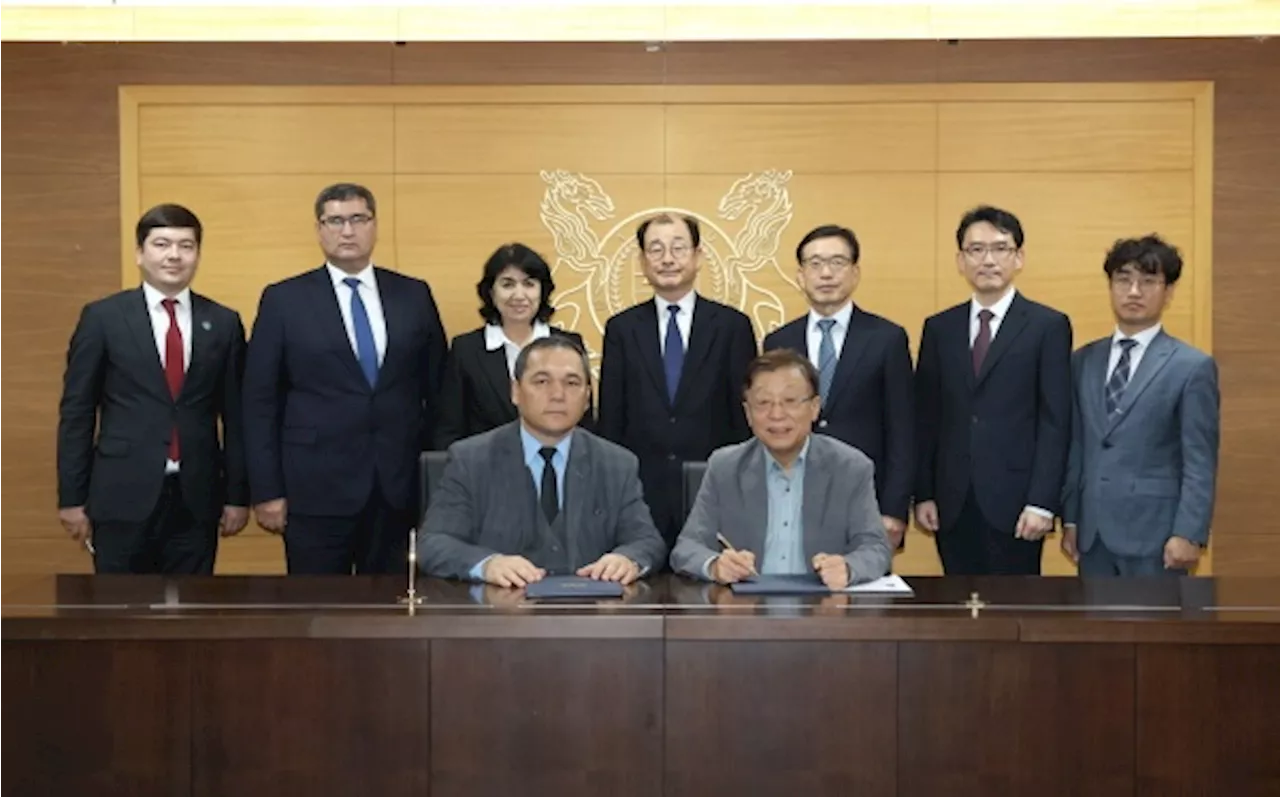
(993, 411)
(150, 446)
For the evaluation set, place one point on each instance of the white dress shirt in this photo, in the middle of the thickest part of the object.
(684, 319)
(160, 330)
(1144, 339)
(495, 338)
(998, 310)
(372, 306)
(838, 332)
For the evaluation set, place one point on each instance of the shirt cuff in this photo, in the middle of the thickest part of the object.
(706, 568)
(477, 573)
(1038, 511)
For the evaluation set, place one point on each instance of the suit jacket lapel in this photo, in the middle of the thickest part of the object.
(1153, 361)
(396, 315)
(1013, 323)
(794, 336)
(702, 335)
(817, 481)
(493, 365)
(955, 335)
(1093, 385)
(855, 344)
(646, 334)
(202, 332)
(329, 317)
(137, 317)
(577, 496)
(755, 497)
(510, 469)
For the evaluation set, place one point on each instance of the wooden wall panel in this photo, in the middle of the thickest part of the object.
(1054, 136)
(275, 140)
(516, 139)
(60, 103)
(818, 139)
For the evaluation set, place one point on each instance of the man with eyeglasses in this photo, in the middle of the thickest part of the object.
(340, 385)
(787, 501)
(672, 369)
(1143, 463)
(993, 410)
(864, 368)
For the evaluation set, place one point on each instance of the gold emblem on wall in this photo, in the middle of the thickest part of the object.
(596, 267)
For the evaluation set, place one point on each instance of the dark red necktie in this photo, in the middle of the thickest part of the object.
(983, 341)
(173, 371)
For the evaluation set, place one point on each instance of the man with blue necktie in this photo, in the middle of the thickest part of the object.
(672, 369)
(340, 385)
(864, 368)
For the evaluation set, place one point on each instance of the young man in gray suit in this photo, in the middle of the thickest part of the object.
(788, 502)
(540, 496)
(1143, 460)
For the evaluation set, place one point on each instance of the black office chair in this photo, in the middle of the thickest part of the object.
(692, 481)
(430, 469)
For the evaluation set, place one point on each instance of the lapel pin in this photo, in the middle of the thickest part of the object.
(206, 326)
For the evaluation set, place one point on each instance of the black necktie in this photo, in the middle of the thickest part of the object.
(550, 492)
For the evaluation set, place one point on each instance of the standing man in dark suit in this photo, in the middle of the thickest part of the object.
(155, 369)
(1144, 441)
(864, 365)
(672, 370)
(342, 375)
(993, 403)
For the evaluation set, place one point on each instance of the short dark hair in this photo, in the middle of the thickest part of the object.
(778, 360)
(667, 218)
(552, 341)
(515, 255)
(1149, 254)
(1002, 220)
(831, 231)
(168, 215)
(341, 192)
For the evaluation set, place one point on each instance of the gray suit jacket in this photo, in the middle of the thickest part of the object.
(840, 513)
(1146, 473)
(485, 504)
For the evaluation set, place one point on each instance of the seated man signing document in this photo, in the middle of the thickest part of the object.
(540, 496)
(785, 502)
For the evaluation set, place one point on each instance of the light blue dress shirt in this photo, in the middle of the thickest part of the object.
(536, 464)
(784, 536)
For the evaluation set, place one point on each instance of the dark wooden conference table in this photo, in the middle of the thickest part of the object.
(306, 686)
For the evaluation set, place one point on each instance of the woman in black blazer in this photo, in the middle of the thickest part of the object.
(515, 303)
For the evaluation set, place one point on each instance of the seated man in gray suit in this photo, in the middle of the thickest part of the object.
(539, 496)
(791, 501)
(1139, 491)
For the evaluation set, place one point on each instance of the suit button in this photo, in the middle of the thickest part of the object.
(672, 419)
(822, 424)
(974, 420)
(1106, 444)
(671, 457)
(555, 547)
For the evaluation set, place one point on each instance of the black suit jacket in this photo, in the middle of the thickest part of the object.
(1006, 430)
(871, 404)
(476, 395)
(707, 414)
(115, 385)
(317, 434)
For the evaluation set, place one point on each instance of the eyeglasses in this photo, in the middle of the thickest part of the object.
(978, 252)
(1146, 282)
(789, 404)
(357, 220)
(679, 250)
(837, 263)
